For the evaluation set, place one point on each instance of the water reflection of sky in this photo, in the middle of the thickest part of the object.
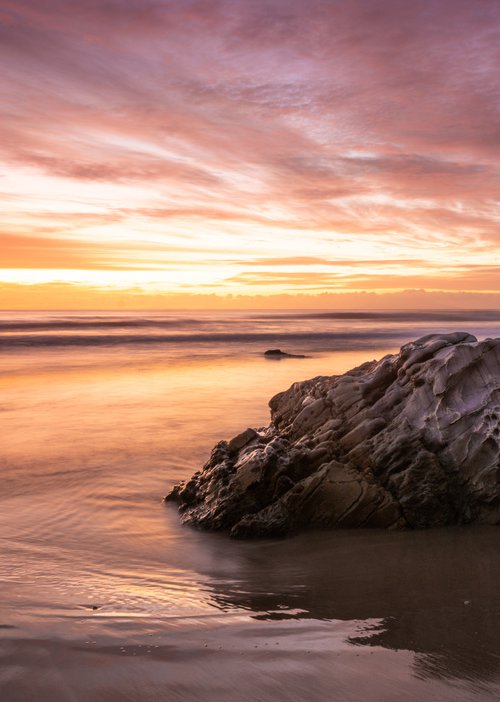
(92, 441)
(434, 593)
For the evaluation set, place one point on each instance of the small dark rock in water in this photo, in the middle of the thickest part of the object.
(412, 440)
(278, 353)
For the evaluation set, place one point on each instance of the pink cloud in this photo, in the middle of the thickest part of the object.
(375, 118)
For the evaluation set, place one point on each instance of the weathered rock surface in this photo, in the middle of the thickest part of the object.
(412, 440)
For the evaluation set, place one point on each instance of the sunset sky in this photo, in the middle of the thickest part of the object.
(163, 152)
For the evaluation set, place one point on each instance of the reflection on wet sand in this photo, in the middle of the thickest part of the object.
(105, 596)
(246, 663)
(434, 593)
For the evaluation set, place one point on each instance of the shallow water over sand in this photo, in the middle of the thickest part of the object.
(104, 592)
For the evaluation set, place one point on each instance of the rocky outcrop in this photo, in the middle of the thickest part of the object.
(412, 440)
(278, 353)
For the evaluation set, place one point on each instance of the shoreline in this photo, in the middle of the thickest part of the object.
(281, 661)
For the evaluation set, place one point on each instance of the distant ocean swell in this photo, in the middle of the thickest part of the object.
(342, 340)
(304, 329)
(85, 321)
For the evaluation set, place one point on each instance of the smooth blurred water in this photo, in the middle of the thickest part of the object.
(101, 414)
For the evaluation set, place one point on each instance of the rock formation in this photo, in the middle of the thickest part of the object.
(278, 353)
(412, 440)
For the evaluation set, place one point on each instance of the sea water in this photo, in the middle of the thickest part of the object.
(102, 413)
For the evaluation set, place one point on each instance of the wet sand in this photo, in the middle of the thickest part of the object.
(227, 662)
(351, 615)
(105, 597)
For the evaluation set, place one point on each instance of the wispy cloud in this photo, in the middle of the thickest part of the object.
(162, 132)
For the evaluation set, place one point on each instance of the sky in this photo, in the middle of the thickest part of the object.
(249, 153)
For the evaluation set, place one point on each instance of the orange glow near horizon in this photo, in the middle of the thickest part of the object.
(249, 154)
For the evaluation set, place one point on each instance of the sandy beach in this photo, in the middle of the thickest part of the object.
(222, 661)
(105, 596)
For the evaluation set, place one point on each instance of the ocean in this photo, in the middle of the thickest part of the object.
(104, 596)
